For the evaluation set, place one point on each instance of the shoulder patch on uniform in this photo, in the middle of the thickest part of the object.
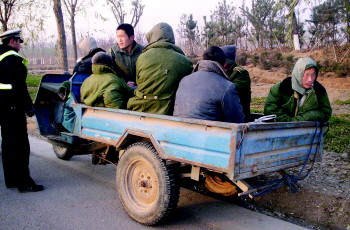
(238, 68)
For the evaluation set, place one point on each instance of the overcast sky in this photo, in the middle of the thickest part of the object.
(155, 11)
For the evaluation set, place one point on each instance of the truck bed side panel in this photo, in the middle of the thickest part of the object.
(187, 142)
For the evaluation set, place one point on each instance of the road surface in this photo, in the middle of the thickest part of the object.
(82, 196)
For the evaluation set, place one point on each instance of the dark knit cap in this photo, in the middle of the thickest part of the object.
(214, 53)
(102, 58)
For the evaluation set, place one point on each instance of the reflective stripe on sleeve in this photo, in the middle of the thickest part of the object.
(5, 86)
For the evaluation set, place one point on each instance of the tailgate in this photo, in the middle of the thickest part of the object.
(274, 146)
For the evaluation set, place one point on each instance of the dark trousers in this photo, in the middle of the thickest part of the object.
(15, 148)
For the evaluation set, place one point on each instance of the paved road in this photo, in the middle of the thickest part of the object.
(80, 195)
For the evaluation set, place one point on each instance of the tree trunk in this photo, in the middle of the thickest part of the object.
(295, 32)
(74, 39)
(4, 26)
(61, 34)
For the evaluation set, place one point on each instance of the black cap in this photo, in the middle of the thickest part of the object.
(11, 34)
(214, 53)
(101, 58)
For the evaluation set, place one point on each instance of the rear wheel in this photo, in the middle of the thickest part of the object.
(146, 185)
(62, 152)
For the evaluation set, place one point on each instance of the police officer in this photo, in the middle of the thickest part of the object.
(15, 104)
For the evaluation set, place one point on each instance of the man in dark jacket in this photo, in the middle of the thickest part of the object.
(88, 47)
(208, 93)
(15, 104)
(300, 97)
(125, 54)
(240, 77)
(104, 88)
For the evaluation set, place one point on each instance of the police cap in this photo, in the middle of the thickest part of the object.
(11, 34)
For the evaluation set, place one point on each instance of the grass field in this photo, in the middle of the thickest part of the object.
(33, 82)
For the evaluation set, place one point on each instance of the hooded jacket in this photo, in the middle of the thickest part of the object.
(125, 63)
(284, 97)
(89, 48)
(159, 69)
(14, 72)
(208, 94)
(104, 89)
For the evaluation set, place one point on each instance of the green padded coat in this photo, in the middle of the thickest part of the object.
(240, 77)
(105, 89)
(159, 70)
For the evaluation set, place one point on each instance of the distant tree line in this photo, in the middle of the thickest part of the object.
(264, 23)
(269, 24)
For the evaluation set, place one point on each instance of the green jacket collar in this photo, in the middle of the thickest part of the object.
(102, 69)
(136, 48)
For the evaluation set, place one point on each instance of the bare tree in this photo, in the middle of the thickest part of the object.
(73, 6)
(9, 10)
(23, 14)
(57, 9)
(6, 10)
(117, 7)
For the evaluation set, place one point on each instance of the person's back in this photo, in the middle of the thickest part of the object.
(208, 94)
(104, 88)
(159, 68)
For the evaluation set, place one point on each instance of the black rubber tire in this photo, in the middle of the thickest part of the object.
(62, 152)
(146, 186)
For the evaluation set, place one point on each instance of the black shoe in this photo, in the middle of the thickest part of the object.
(33, 188)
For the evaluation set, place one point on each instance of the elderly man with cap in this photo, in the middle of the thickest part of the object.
(300, 97)
(104, 88)
(15, 104)
(240, 77)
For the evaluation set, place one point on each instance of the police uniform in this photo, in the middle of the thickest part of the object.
(15, 102)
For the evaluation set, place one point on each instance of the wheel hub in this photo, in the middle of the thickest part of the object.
(145, 182)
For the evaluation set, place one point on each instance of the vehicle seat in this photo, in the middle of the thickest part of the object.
(77, 80)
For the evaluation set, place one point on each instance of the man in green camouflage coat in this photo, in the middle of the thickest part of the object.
(159, 70)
